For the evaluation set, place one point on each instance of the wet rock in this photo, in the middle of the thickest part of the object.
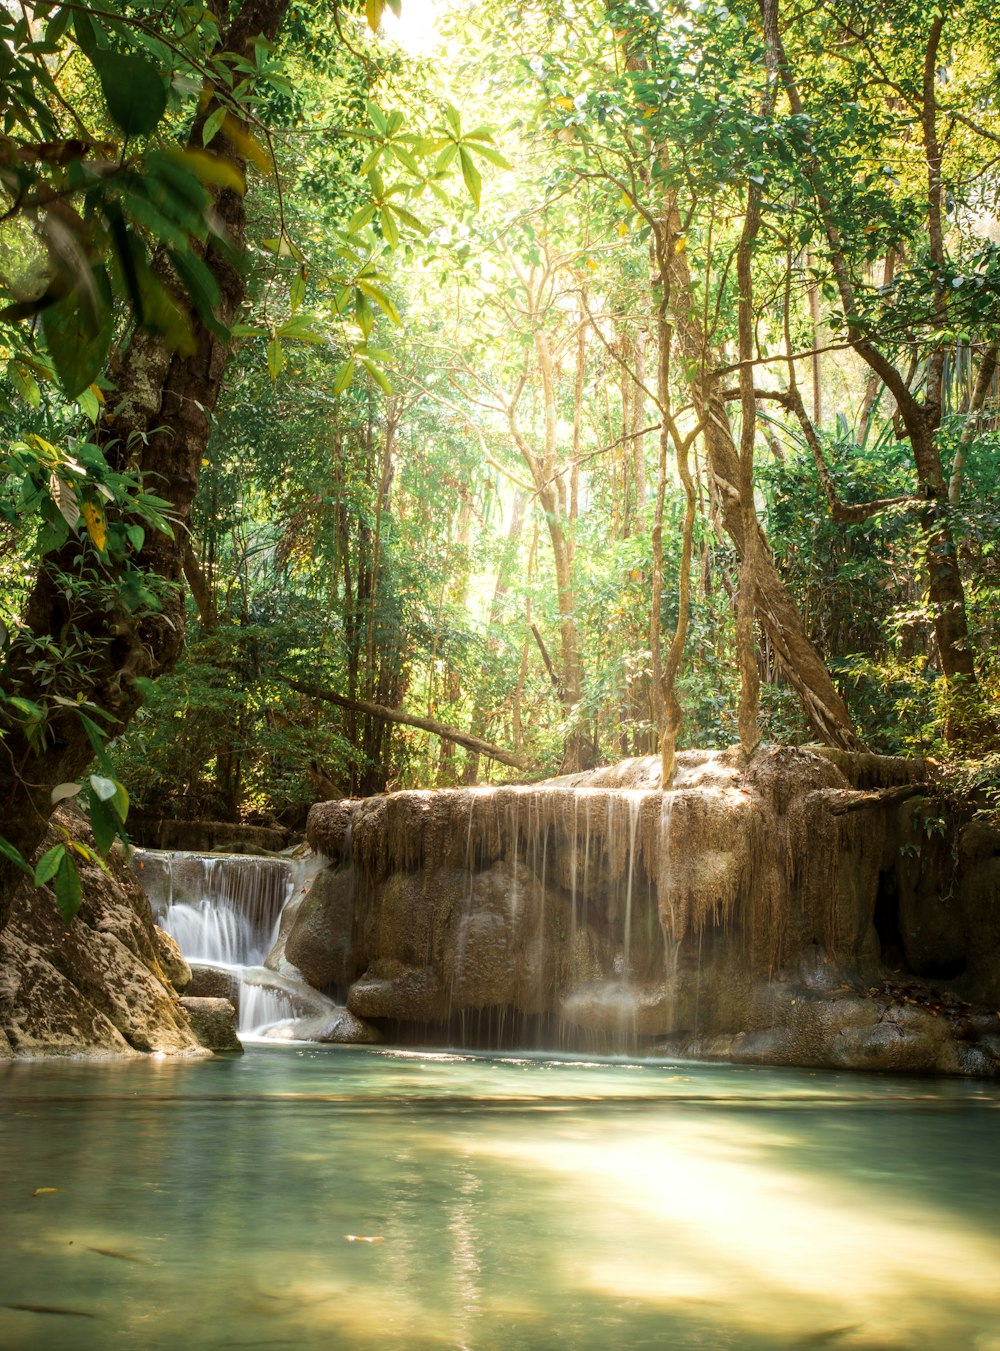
(98, 987)
(321, 940)
(172, 960)
(391, 990)
(328, 827)
(214, 982)
(214, 1023)
(339, 1026)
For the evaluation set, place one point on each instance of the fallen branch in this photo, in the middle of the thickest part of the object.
(472, 743)
(840, 801)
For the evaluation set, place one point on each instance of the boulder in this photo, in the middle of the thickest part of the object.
(321, 941)
(214, 1023)
(328, 827)
(102, 985)
(172, 960)
(214, 982)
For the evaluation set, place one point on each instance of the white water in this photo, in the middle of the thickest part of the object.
(225, 912)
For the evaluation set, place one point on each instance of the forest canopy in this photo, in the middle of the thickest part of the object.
(596, 380)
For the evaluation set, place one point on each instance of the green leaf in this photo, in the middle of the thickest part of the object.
(136, 536)
(27, 387)
(489, 152)
(104, 823)
(380, 298)
(378, 375)
(212, 125)
(275, 358)
(389, 227)
(121, 802)
(69, 893)
(133, 89)
(15, 856)
(344, 376)
(451, 116)
(361, 217)
(471, 175)
(48, 864)
(77, 332)
(89, 406)
(297, 290)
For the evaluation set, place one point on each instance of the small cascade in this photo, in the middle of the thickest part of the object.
(224, 913)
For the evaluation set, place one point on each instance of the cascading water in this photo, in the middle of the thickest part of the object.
(224, 912)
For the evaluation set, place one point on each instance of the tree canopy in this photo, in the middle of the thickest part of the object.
(612, 378)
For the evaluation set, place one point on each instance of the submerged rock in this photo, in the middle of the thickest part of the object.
(102, 986)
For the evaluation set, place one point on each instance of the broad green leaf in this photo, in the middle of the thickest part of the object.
(27, 386)
(133, 89)
(380, 298)
(451, 116)
(490, 153)
(213, 124)
(344, 376)
(361, 217)
(121, 802)
(89, 406)
(389, 227)
(297, 290)
(471, 175)
(77, 332)
(104, 824)
(378, 375)
(136, 536)
(68, 891)
(27, 706)
(275, 358)
(374, 9)
(48, 864)
(15, 856)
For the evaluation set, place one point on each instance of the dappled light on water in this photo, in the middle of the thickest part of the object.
(338, 1198)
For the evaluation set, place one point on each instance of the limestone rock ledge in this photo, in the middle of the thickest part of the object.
(101, 987)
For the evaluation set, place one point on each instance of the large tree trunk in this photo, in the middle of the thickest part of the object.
(798, 657)
(162, 409)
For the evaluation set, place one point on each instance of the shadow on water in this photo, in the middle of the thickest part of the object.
(338, 1198)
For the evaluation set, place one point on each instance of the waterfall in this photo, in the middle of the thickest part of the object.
(224, 912)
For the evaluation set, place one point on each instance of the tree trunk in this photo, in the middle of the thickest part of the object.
(162, 413)
(797, 655)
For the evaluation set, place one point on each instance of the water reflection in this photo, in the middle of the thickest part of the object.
(520, 1203)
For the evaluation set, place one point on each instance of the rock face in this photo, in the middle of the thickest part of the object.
(101, 987)
(751, 914)
(213, 1022)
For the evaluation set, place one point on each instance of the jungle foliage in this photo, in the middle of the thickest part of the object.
(547, 368)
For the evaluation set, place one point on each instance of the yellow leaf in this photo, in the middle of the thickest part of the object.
(46, 1191)
(681, 244)
(96, 528)
(373, 12)
(97, 392)
(565, 103)
(591, 264)
(622, 229)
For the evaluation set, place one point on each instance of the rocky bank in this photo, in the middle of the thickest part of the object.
(108, 985)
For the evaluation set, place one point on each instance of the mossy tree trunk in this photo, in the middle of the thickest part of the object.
(159, 425)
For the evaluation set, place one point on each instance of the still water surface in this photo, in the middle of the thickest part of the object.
(338, 1198)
